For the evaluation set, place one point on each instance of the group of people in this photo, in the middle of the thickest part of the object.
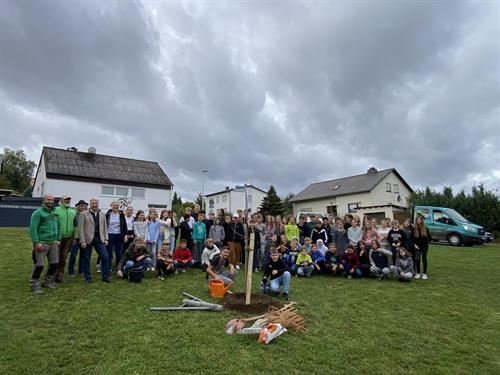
(340, 246)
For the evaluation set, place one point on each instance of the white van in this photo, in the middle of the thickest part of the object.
(306, 214)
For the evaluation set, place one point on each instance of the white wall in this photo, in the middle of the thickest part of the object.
(378, 196)
(39, 187)
(235, 200)
(86, 190)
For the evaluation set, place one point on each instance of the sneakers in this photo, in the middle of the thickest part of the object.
(176, 272)
(88, 282)
(237, 266)
(424, 276)
(349, 276)
(183, 271)
(285, 296)
(35, 287)
(161, 278)
(417, 276)
(98, 268)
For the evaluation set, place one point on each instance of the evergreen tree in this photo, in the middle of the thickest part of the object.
(271, 204)
(287, 205)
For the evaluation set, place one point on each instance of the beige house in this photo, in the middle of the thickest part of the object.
(378, 194)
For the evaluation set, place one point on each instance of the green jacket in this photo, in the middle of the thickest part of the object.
(68, 223)
(44, 226)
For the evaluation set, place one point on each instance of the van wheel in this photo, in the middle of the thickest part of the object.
(454, 239)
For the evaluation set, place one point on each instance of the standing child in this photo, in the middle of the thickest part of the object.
(370, 234)
(410, 244)
(165, 261)
(291, 229)
(140, 225)
(383, 232)
(396, 238)
(354, 233)
(403, 269)
(340, 238)
(304, 264)
(153, 235)
(199, 235)
(217, 233)
(302, 229)
(319, 233)
(422, 237)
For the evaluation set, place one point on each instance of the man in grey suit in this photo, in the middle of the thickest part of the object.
(94, 233)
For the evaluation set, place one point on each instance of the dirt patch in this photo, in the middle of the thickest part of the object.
(259, 303)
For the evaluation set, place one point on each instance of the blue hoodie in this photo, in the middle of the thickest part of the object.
(316, 257)
(153, 231)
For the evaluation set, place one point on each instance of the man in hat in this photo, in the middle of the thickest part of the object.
(44, 233)
(81, 206)
(67, 226)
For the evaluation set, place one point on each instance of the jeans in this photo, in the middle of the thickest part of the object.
(421, 254)
(305, 271)
(356, 273)
(282, 280)
(198, 250)
(115, 241)
(171, 241)
(226, 277)
(407, 276)
(377, 271)
(103, 254)
(72, 259)
(144, 264)
(159, 243)
(182, 264)
(151, 245)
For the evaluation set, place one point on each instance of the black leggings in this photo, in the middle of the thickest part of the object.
(421, 253)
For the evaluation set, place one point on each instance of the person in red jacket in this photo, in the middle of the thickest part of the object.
(182, 257)
(351, 263)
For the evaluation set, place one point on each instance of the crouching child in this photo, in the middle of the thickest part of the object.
(403, 269)
(276, 275)
(136, 256)
(351, 263)
(165, 261)
(380, 260)
(182, 257)
(333, 263)
(304, 264)
(220, 268)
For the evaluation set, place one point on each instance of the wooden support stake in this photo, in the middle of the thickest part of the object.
(248, 291)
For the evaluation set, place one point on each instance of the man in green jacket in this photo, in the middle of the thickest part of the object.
(67, 226)
(44, 233)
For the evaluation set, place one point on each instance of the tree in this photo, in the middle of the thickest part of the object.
(28, 192)
(271, 204)
(199, 200)
(287, 205)
(177, 205)
(17, 170)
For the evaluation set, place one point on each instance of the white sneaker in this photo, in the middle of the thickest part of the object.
(237, 266)
(417, 276)
(424, 276)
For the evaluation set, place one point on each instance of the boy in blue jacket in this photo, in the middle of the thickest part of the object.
(199, 236)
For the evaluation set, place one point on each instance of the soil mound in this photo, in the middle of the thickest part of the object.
(259, 304)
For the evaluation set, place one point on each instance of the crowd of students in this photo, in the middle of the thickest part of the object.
(338, 246)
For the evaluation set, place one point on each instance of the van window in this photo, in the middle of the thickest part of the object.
(441, 217)
(423, 212)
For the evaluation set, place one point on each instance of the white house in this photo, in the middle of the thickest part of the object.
(378, 194)
(246, 197)
(85, 175)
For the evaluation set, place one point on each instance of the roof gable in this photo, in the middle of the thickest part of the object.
(344, 186)
(78, 165)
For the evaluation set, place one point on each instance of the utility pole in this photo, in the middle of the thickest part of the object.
(203, 206)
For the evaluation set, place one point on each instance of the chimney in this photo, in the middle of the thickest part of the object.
(372, 170)
(92, 150)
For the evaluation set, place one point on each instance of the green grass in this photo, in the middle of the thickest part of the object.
(449, 324)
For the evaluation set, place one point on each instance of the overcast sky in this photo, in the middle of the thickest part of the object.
(282, 93)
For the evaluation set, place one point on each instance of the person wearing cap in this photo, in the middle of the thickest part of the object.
(235, 236)
(81, 206)
(276, 274)
(67, 226)
(44, 233)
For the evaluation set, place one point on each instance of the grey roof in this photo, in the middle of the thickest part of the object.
(344, 186)
(84, 166)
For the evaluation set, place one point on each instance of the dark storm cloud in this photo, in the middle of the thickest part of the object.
(258, 92)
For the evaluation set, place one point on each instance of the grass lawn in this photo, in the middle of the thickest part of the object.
(447, 324)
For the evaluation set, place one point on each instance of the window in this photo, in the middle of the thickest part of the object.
(423, 212)
(138, 192)
(249, 198)
(395, 188)
(224, 198)
(121, 191)
(353, 207)
(331, 210)
(108, 190)
(154, 205)
(388, 187)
